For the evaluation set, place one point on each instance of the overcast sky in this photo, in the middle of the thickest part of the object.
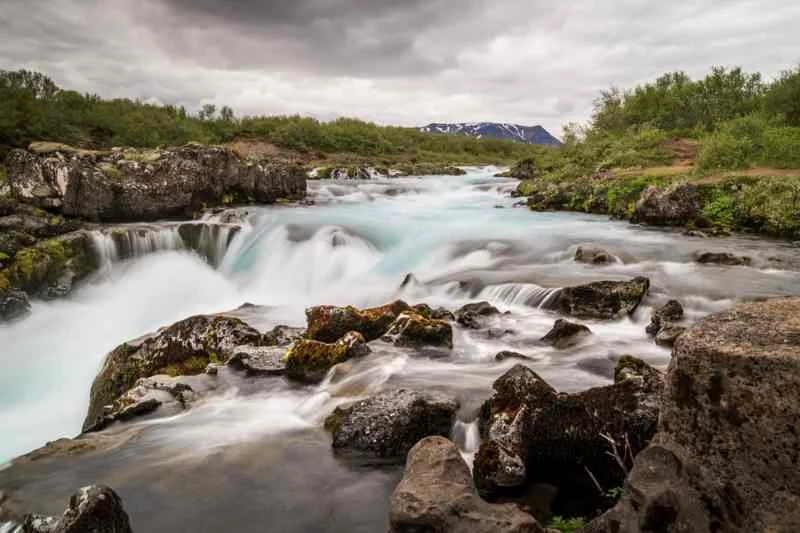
(393, 61)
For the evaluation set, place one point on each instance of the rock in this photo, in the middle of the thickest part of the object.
(672, 311)
(679, 204)
(695, 233)
(601, 299)
(413, 330)
(534, 435)
(505, 355)
(92, 509)
(308, 360)
(436, 495)
(725, 456)
(184, 348)
(439, 313)
(566, 334)
(327, 323)
(472, 315)
(138, 185)
(282, 336)
(668, 334)
(722, 258)
(389, 424)
(13, 305)
(592, 255)
(259, 360)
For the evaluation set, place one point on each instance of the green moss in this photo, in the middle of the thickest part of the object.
(110, 171)
(38, 265)
(567, 525)
(188, 367)
(227, 199)
(4, 257)
(3, 176)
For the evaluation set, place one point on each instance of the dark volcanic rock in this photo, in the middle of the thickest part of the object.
(92, 509)
(183, 348)
(389, 424)
(436, 495)
(722, 258)
(308, 360)
(138, 185)
(413, 330)
(672, 311)
(602, 299)
(725, 456)
(565, 334)
(327, 323)
(677, 205)
(504, 355)
(472, 315)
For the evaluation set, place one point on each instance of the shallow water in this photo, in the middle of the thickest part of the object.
(356, 246)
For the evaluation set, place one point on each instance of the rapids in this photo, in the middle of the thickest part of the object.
(462, 241)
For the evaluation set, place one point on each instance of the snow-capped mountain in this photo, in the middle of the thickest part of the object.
(515, 132)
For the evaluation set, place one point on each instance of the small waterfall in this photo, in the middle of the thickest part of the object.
(520, 294)
(10, 527)
(467, 437)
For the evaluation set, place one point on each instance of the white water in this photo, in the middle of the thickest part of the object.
(356, 247)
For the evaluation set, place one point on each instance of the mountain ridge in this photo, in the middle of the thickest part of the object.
(499, 130)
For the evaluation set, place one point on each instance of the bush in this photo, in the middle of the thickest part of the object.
(782, 147)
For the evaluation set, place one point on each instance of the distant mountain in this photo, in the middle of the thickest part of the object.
(514, 132)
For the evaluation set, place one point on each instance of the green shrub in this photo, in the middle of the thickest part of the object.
(567, 525)
(769, 205)
(719, 210)
(782, 147)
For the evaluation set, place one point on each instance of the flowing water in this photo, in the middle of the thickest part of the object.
(253, 453)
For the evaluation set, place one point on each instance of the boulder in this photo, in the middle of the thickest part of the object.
(436, 495)
(413, 330)
(472, 315)
(327, 323)
(13, 304)
(438, 313)
(668, 334)
(184, 348)
(672, 311)
(601, 299)
(389, 424)
(138, 185)
(725, 455)
(150, 394)
(679, 204)
(534, 435)
(722, 258)
(566, 334)
(592, 255)
(259, 360)
(92, 509)
(308, 360)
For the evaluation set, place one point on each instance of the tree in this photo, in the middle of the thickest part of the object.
(207, 112)
(226, 114)
(783, 97)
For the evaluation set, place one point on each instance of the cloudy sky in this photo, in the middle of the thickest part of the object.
(393, 61)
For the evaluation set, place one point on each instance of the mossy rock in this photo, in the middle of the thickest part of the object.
(308, 361)
(328, 323)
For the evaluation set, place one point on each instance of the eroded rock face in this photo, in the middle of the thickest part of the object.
(184, 348)
(436, 495)
(128, 185)
(602, 299)
(566, 334)
(535, 435)
(92, 509)
(413, 330)
(725, 456)
(389, 424)
(677, 205)
(308, 360)
(327, 323)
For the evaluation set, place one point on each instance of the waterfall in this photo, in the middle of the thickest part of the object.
(467, 436)
(520, 294)
(10, 527)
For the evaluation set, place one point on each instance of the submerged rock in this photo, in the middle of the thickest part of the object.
(725, 456)
(184, 348)
(472, 315)
(327, 323)
(436, 495)
(92, 509)
(309, 360)
(592, 255)
(723, 258)
(505, 354)
(565, 334)
(602, 299)
(413, 330)
(389, 424)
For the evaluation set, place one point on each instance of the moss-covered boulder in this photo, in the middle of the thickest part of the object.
(679, 204)
(328, 323)
(601, 299)
(308, 360)
(414, 330)
(184, 348)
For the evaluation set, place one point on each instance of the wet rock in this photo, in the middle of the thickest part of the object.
(138, 185)
(259, 360)
(92, 509)
(695, 233)
(725, 456)
(558, 437)
(566, 334)
(438, 313)
(679, 204)
(389, 424)
(592, 255)
(672, 311)
(668, 334)
(601, 299)
(184, 348)
(505, 355)
(308, 360)
(599, 366)
(722, 258)
(282, 336)
(472, 315)
(13, 305)
(436, 495)
(413, 330)
(327, 323)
